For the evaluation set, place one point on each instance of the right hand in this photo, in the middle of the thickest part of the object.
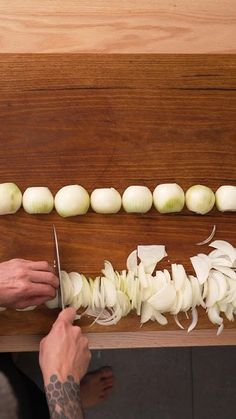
(64, 351)
(25, 283)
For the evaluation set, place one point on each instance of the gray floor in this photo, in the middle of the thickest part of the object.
(168, 383)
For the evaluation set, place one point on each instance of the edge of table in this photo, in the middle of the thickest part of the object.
(21, 343)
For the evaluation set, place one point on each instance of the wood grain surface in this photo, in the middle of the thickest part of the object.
(114, 120)
(111, 26)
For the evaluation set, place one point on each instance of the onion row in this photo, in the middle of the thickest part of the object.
(72, 200)
(151, 295)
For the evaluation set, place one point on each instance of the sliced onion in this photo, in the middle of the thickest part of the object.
(209, 238)
(201, 268)
(160, 318)
(163, 299)
(142, 275)
(178, 322)
(213, 292)
(178, 276)
(175, 309)
(225, 247)
(132, 262)
(108, 270)
(227, 271)
(146, 312)
(150, 256)
(29, 308)
(213, 314)
(187, 296)
(194, 320)
(220, 329)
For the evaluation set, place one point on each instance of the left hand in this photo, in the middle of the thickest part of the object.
(64, 351)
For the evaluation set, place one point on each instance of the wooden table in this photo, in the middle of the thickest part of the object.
(112, 26)
(115, 120)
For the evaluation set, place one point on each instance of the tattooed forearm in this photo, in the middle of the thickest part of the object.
(64, 398)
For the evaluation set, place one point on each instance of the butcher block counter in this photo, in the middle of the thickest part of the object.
(115, 120)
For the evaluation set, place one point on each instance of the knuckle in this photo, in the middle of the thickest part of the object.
(52, 292)
(21, 273)
(46, 266)
(51, 278)
(23, 287)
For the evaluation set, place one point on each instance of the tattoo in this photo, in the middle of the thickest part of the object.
(64, 398)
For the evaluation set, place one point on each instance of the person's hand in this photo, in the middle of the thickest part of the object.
(25, 283)
(64, 351)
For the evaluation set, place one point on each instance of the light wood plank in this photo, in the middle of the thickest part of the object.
(182, 26)
(121, 340)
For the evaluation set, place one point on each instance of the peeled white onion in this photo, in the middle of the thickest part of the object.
(106, 201)
(226, 198)
(38, 200)
(168, 197)
(72, 200)
(200, 199)
(10, 198)
(137, 199)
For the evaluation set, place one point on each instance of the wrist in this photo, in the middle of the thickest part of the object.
(61, 376)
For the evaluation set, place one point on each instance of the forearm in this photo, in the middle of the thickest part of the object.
(64, 398)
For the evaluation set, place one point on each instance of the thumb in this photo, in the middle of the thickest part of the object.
(67, 315)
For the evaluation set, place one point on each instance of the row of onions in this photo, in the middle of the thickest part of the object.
(152, 293)
(72, 200)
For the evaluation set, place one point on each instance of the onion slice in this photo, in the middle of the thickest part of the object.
(201, 267)
(178, 322)
(150, 256)
(209, 238)
(225, 247)
(194, 320)
(132, 262)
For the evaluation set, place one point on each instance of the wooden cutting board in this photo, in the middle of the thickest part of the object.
(114, 120)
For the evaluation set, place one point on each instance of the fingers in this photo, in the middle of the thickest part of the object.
(40, 266)
(33, 301)
(67, 315)
(35, 266)
(40, 290)
(44, 278)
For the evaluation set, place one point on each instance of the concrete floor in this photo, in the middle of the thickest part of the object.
(167, 383)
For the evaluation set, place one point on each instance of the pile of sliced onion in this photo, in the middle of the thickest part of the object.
(153, 293)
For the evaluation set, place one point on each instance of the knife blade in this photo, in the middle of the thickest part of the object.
(61, 301)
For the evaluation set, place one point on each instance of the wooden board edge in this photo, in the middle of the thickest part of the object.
(122, 340)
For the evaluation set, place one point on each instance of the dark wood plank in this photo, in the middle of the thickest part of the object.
(101, 120)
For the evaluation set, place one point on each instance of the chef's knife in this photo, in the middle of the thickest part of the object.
(61, 302)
